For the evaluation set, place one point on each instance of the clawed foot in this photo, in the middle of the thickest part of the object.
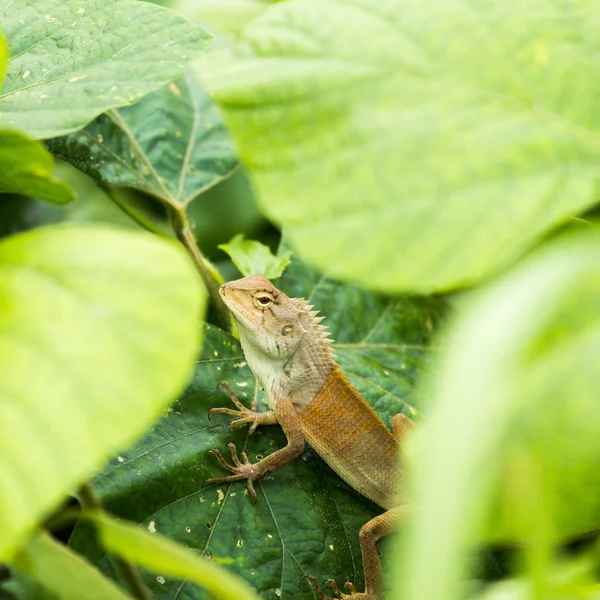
(245, 415)
(243, 469)
(354, 595)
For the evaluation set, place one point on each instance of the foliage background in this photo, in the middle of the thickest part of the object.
(433, 167)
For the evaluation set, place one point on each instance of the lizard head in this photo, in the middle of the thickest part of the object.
(281, 336)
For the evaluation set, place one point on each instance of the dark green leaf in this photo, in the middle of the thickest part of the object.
(417, 145)
(306, 520)
(253, 258)
(97, 334)
(27, 169)
(71, 61)
(172, 144)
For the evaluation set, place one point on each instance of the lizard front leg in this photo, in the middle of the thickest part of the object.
(286, 416)
(245, 415)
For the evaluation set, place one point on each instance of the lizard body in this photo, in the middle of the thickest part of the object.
(289, 352)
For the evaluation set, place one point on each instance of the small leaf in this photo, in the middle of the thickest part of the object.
(511, 451)
(161, 555)
(396, 144)
(253, 258)
(72, 60)
(172, 144)
(97, 334)
(64, 573)
(27, 169)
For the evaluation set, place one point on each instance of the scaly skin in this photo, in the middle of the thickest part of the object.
(310, 398)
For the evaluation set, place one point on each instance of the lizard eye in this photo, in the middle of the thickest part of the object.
(286, 330)
(263, 300)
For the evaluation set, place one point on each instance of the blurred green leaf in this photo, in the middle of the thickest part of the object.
(163, 556)
(63, 572)
(253, 258)
(27, 169)
(306, 521)
(72, 61)
(97, 333)
(172, 144)
(226, 15)
(417, 145)
(3, 56)
(511, 451)
(91, 205)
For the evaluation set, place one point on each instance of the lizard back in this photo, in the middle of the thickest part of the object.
(349, 436)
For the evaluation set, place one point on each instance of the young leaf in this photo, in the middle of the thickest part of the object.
(306, 520)
(172, 144)
(71, 61)
(514, 441)
(253, 258)
(417, 145)
(64, 573)
(27, 169)
(98, 329)
(161, 555)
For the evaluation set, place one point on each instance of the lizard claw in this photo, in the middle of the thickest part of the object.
(245, 415)
(241, 469)
(336, 592)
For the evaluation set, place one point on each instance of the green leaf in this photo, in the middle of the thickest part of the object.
(511, 451)
(253, 258)
(3, 56)
(97, 334)
(172, 144)
(417, 145)
(71, 61)
(306, 520)
(27, 169)
(63, 572)
(163, 556)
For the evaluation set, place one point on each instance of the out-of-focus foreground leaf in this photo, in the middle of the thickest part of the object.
(252, 257)
(306, 520)
(172, 144)
(70, 61)
(98, 330)
(27, 169)
(64, 573)
(165, 557)
(445, 137)
(511, 451)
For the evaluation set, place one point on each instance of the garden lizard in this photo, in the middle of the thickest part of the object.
(289, 352)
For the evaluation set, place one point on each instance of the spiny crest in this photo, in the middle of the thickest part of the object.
(315, 322)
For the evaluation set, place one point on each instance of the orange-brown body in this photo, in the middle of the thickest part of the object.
(349, 436)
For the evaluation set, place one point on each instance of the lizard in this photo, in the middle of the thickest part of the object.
(289, 352)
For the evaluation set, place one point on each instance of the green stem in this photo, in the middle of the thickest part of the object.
(112, 193)
(138, 588)
(211, 277)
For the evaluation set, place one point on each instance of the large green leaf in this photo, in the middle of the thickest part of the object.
(515, 436)
(306, 520)
(63, 572)
(97, 334)
(172, 144)
(417, 145)
(27, 169)
(71, 61)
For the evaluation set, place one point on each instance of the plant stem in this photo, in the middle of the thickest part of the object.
(138, 588)
(211, 277)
